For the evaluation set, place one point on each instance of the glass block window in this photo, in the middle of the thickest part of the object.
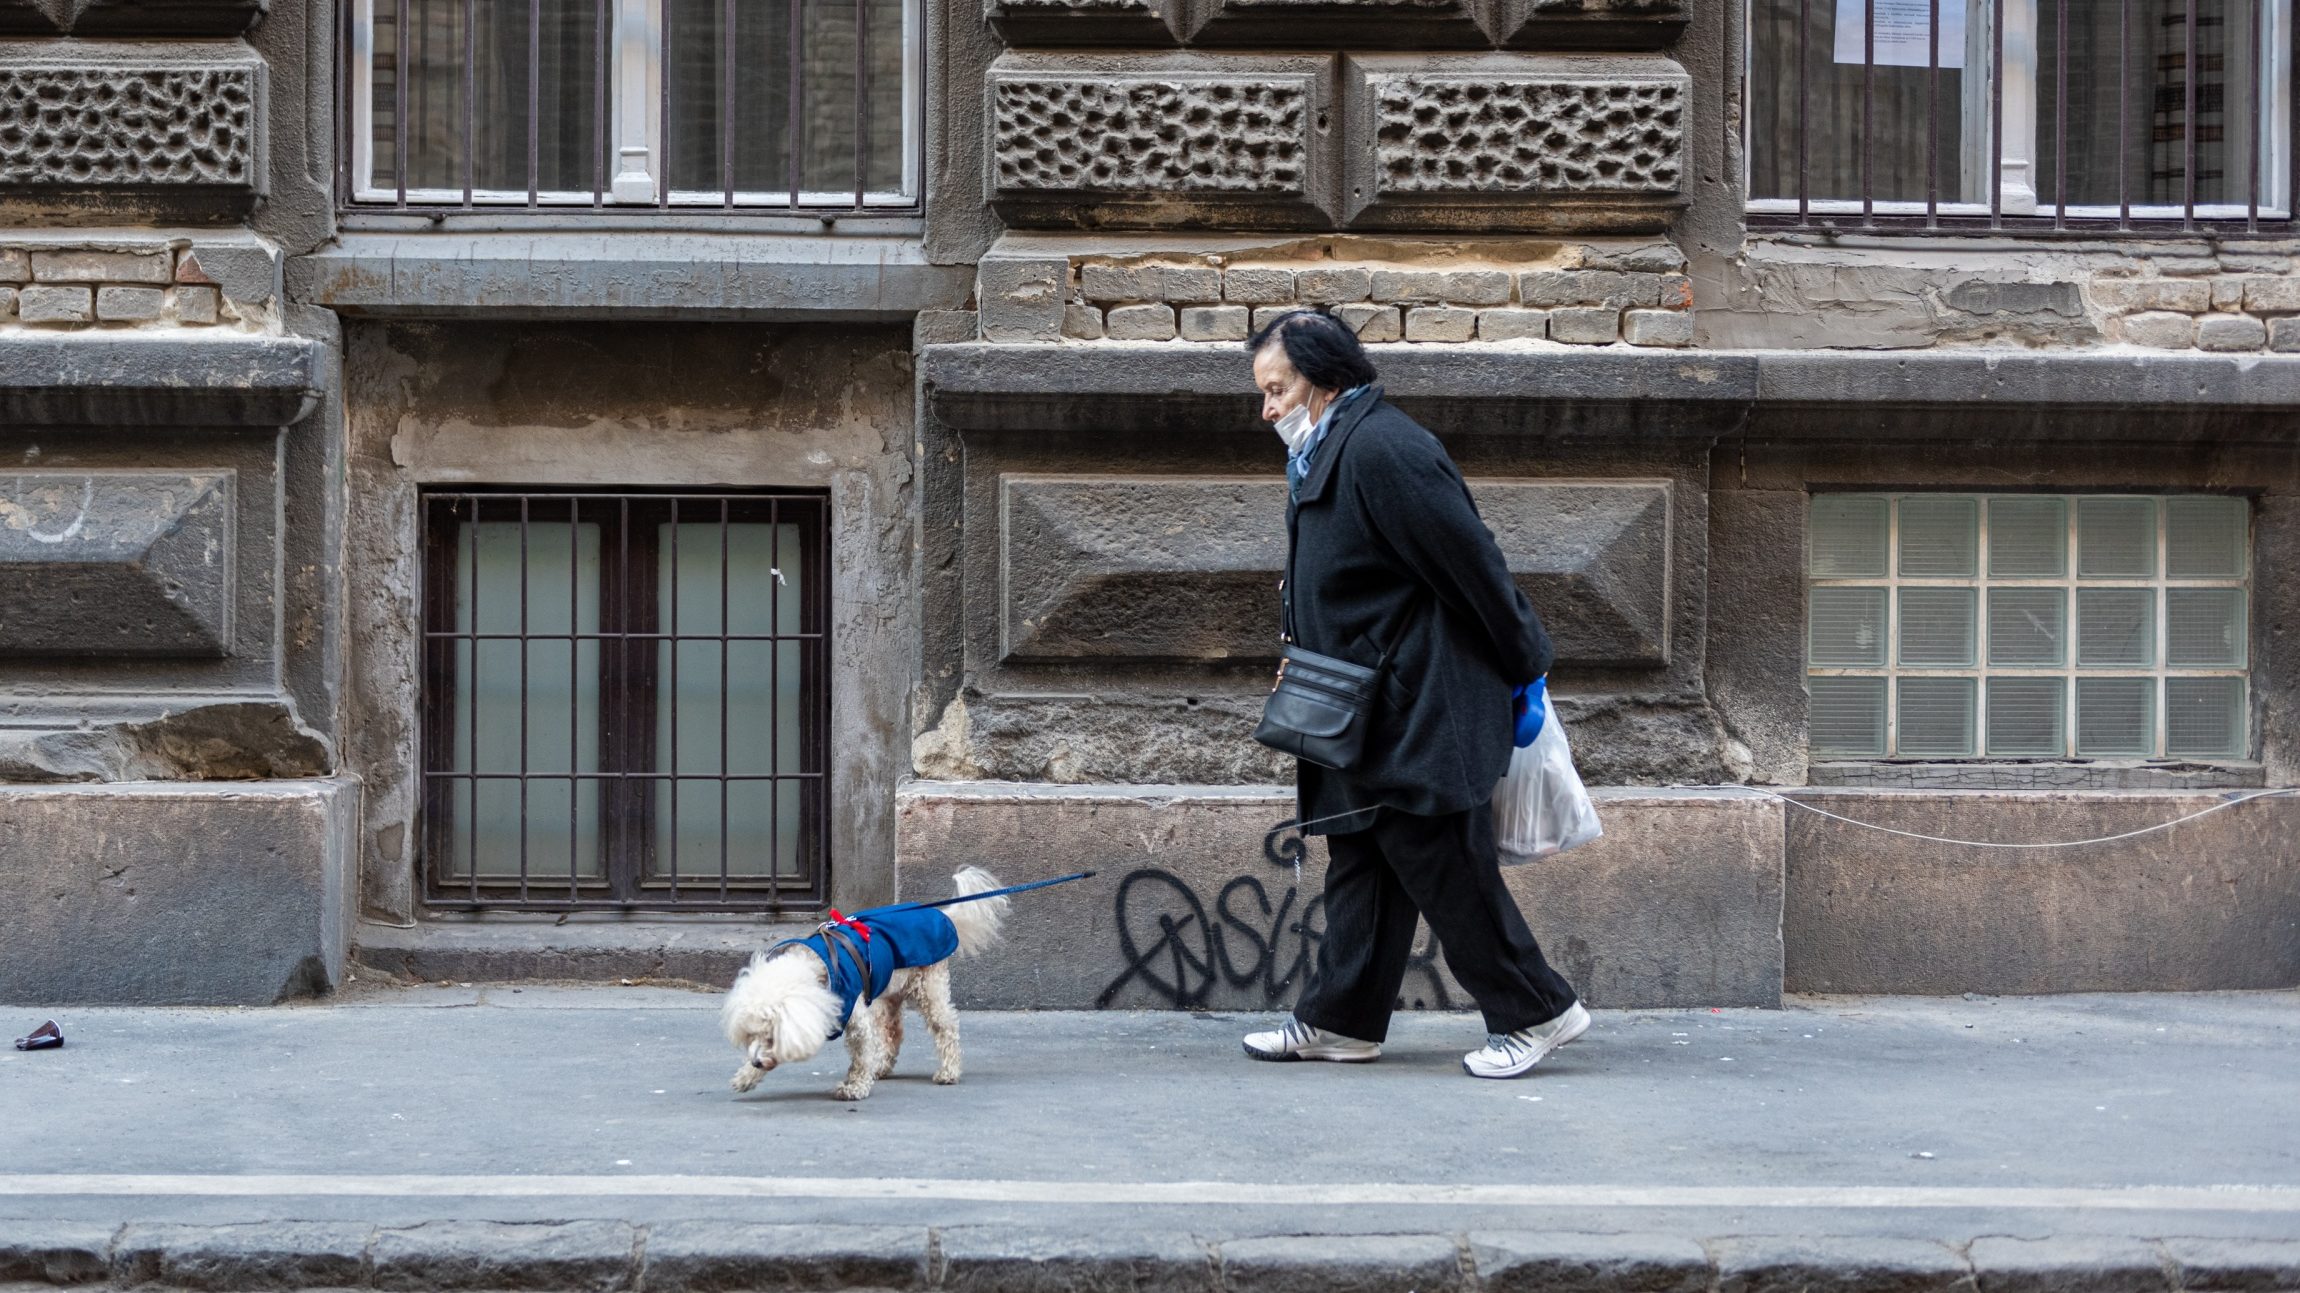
(2028, 626)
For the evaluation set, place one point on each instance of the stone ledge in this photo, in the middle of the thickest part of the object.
(510, 948)
(702, 276)
(1716, 378)
(174, 377)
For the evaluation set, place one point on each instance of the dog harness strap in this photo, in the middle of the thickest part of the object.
(836, 940)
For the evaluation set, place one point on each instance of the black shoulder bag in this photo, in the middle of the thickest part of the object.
(1320, 706)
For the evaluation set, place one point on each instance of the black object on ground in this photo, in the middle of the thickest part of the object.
(44, 1038)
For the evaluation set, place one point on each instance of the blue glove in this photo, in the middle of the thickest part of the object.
(1531, 705)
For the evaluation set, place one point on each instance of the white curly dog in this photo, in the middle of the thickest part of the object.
(856, 973)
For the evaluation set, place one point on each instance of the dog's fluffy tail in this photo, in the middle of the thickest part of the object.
(980, 924)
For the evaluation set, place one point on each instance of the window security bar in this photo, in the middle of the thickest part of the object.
(2029, 116)
(628, 105)
(625, 701)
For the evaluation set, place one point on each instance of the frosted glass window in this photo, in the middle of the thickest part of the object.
(1848, 535)
(526, 707)
(1937, 626)
(2029, 626)
(2116, 627)
(1936, 717)
(2026, 718)
(735, 708)
(624, 703)
(2203, 627)
(1848, 626)
(1940, 535)
(2116, 538)
(2115, 717)
(2028, 537)
(1848, 716)
(2204, 717)
(2204, 537)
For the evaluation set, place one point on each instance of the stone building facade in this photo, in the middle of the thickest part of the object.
(350, 349)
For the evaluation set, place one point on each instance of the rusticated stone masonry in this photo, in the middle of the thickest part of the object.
(1447, 135)
(1546, 143)
(127, 127)
(1185, 134)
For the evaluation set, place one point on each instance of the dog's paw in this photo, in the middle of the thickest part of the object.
(946, 1077)
(851, 1091)
(746, 1077)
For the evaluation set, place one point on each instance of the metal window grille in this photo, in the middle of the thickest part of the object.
(2026, 116)
(681, 106)
(2010, 626)
(625, 700)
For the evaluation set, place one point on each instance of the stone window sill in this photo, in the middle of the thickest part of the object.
(2038, 774)
(638, 273)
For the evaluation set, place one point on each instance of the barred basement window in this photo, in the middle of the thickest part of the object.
(2028, 626)
(625, 700)
(678, 105)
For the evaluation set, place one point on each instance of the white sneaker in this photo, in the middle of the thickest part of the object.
(1508, 1055)
(1298, 1041)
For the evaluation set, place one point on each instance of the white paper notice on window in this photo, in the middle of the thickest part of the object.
(1903, 32)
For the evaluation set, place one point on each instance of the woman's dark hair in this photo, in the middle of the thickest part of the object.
(1321, 348)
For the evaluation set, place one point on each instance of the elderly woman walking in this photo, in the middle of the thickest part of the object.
(1390, 567)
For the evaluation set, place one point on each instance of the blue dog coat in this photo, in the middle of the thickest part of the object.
(903, 936)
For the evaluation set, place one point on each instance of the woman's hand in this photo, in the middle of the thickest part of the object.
(1530, 705)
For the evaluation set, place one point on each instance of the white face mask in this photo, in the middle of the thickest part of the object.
(1295, 428)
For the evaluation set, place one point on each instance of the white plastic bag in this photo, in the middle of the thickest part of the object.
(1540, 806)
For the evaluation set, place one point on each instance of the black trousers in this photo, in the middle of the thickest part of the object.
(1443, 869)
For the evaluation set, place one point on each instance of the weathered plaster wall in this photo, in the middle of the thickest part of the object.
(605, 407)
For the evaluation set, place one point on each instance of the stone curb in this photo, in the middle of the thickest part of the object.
(722, 1257)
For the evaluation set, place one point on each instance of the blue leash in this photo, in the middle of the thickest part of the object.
(995, 893)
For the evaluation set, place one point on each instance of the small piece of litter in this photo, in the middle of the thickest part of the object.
(1680, 1043)
(622, 1162)
(1536, 1099)
(657, 1093)
(1922, 1153)
(46, 1037)
(1724, 1059)
(2100, 1108)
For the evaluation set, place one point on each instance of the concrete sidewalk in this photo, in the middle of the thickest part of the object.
(545, 1138)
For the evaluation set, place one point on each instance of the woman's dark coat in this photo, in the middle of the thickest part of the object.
(1384, 528)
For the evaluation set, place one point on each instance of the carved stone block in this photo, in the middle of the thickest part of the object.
(1590, 24)
(1085, 22)
(116, 563)
(165, 129)
(1167, 568)
(1160, 141)
(1538, 143)
(1390, 24)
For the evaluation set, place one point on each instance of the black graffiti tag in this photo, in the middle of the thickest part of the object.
(1170, 946)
